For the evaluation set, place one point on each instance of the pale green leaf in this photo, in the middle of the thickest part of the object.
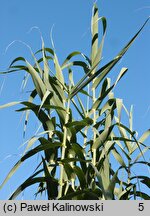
(39, 85)
(9, 104)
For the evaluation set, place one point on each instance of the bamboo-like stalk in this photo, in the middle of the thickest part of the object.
(85, 138)
(63, 151)
(94, 122)
(94, 52)
(87, 114)
(129, 160)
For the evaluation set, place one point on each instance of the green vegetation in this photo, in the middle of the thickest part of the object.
(83, 135)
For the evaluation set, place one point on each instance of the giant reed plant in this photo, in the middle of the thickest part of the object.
(83, 135)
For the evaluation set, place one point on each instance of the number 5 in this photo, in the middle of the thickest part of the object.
(141, 206)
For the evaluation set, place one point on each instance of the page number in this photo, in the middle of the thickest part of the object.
(141, 207)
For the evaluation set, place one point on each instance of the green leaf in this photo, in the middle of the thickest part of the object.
(141, 162)
(84, 122)
(105, 151)
(20, 58)
(30, 181)
(9, 105)
(84, 82)
(46, 49)
(142, 195)
(105, 69)
(46, 58)
(68, 160)
(46, 66)
(10, 71)
(126, 192)
(69, 57)
(39, 69)
(141, 154)
(52, 184)
(81, 105)
(118, 157)
(43, 118)
(59, 73)
(79, 195)
(75, 105)
(39, 85)
(33, 106)
(94, 31)
(98, 55)
(121, 74)
(101, 183)
(31, 98)
(113, 182)
(69, 171)
(99, 100)
(81, 176)
(79, 151)
(119, 105)
(117, 141)
(77, 63)
(144, 136)
(75, 88)
(100, 140)
(121, 139)
(123, 131)
(45, 96)
(105, 175)
(29, 154)
(145, 180)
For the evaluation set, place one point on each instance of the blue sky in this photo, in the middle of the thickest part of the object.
(71, 31)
